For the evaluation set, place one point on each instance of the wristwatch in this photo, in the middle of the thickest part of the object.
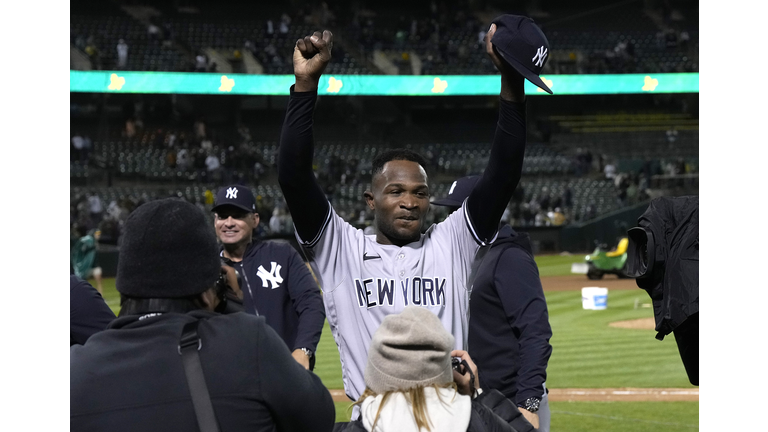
(532, 404)
(309, 352)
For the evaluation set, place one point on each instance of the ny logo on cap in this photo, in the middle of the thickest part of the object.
(232, 193)
(541, 54)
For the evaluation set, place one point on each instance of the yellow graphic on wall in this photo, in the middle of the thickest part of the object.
(547, 82)
(440, 85)
(334, 85)
(226, 84)
(650, 83)
(116, 82)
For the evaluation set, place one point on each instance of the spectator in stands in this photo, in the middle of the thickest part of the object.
(96, 207)
(122, 53)
(182, 160)
(568, 197)
(270, 28)
(609, 171)
(213, 165)
(285, 23)
(201, 63)
(130, 127)
(199, 163)
(153, 32)
(557, 218)
(76, 149)
(93, 53)
(200, 129)
(170, 158)
(166, 276)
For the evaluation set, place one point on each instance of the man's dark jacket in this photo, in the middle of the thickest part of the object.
(491, 412)
(663, 254)
(88, 312)
(509, 327)
(130, 377)
(293, 307)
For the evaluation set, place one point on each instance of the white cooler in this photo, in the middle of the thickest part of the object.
(594, 298)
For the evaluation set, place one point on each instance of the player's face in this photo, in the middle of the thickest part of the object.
(400, 201)
(234, 226)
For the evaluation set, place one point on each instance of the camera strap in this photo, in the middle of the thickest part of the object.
(189, 345)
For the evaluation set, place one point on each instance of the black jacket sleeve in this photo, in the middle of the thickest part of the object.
(305, 198)
(494, 189)
(496, 412)
(88, 312)
(307, 301)
(519, 287)
(295, 396)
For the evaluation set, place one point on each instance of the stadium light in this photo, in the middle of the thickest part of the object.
(372, 85)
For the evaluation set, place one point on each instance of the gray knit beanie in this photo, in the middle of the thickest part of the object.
(169, 250)
(408, 350)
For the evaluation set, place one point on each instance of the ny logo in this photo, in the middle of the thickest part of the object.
(541, 54)
(232, 193)
(273, 276)
(452, 187)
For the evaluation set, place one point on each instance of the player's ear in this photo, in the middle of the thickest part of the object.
(256, 220)
(369, 199)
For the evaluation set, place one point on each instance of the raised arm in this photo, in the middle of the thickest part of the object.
(494, 189)
(305, 198)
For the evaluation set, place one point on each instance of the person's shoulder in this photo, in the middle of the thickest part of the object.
(277, 247)
(238, 320)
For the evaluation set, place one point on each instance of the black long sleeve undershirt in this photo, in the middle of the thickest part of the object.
(309, 205)
(303, 194)
(495, 187)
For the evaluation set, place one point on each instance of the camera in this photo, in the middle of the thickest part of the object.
(456, 364)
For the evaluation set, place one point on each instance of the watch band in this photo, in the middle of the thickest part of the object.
(307, 351)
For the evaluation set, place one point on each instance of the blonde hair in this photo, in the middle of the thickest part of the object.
(414, 396)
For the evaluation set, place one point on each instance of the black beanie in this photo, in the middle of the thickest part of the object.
(168, 251)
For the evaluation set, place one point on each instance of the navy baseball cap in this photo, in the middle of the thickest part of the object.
(235, 195)
(523, 46)
(459, 191)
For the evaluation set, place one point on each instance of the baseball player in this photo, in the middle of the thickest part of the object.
(367, 277)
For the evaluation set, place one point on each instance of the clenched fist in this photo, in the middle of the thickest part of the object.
(310, 57)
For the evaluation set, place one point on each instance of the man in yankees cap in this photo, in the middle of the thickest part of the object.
(272, 276)
(367, 277)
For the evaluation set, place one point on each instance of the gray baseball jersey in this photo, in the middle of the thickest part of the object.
(364, 281)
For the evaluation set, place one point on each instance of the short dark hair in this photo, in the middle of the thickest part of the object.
(396, 154)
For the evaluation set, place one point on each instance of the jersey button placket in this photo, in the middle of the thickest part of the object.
(399, 263)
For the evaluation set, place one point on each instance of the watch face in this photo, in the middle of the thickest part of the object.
(532, 404)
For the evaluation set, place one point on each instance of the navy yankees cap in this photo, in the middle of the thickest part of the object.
(459, 191)
(235, 195)
(523, 46)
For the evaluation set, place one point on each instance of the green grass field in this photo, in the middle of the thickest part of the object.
(586, 352)
(557, 265)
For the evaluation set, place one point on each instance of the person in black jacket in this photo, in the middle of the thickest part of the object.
(274, 280)
(133, 375)
(509, 327)
(88, 312)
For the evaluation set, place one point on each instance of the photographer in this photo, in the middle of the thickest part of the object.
(409, 370)
(136, 375)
